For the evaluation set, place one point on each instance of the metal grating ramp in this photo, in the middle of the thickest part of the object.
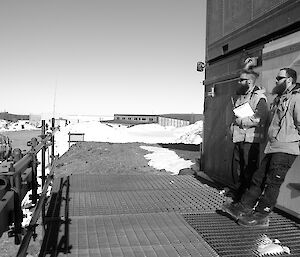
(161, 215)
(229, 239)
(159, 234)
(99, 194)
(124, 182)
(126, 202)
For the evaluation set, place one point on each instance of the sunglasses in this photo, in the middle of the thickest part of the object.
(280, 78)
(242, 79)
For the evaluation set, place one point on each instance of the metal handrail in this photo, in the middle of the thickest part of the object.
(19, 180)
(21, 165)
(35, 216)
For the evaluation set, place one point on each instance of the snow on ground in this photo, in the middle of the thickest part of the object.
(16, 126)
(144, 133)
(162, 158)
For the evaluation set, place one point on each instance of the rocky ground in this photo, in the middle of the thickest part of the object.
(105, 158)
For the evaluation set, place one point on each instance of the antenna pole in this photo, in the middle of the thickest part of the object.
(54, 100)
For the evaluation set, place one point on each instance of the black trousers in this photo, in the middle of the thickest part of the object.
(246, 161)
(266, 182)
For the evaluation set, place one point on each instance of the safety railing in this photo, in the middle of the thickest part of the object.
(75, 137)
(56, 236)
(17, 177)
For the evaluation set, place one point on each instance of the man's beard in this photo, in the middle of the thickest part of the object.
(242, 89)
(279, 88)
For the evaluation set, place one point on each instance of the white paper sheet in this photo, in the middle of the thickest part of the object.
(243, 110)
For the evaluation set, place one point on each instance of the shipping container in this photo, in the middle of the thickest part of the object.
(268, 30)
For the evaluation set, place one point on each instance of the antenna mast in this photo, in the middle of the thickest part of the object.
(54, 100)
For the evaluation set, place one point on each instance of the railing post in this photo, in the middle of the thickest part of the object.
(34, 164)
(43, 168)
(43, 154)
(18, 213)
(69, 139)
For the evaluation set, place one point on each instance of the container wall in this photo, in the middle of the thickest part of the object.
(231, 24)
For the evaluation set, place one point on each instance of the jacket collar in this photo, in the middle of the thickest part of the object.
(287, 94)
(295, 89)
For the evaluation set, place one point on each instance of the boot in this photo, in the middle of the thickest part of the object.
(236, 210)
(255, 219)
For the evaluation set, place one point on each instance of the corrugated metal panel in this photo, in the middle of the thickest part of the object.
(237, 13)
(230, 15)
(231, 24)
(261, 7)
(214, 16)
(172, 122)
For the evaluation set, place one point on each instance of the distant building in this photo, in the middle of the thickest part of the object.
(131, 118)
(176, 120)
(12, 117)
(191, 117)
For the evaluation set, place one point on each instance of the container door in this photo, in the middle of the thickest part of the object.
(217, 143)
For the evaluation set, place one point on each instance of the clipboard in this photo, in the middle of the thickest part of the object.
(243, 111)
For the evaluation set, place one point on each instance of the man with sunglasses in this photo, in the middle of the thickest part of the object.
(280, 153)
(248, 132)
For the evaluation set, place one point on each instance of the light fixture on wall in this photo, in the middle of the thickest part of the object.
(201, 66)
(211, 93)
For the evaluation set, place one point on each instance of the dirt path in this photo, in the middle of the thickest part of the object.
(109, 158)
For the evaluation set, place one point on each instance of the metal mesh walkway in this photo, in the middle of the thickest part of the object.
(159, 234)
(160, 215)
(231, 240)
(98, 183)
(99, 194)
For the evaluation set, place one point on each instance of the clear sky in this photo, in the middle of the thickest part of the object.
(96, 57)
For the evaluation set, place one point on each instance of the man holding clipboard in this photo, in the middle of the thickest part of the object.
(248, 128)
